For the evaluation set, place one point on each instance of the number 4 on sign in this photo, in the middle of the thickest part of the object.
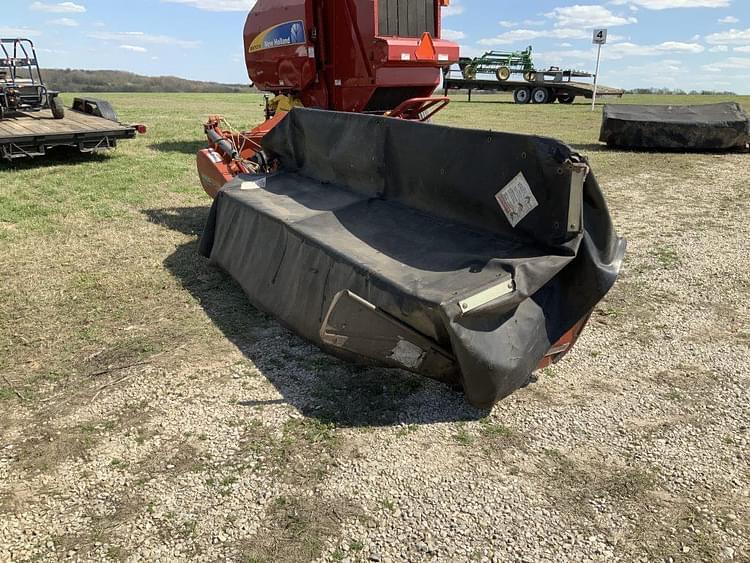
(600, 38)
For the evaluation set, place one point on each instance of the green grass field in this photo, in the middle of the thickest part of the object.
(130, 364)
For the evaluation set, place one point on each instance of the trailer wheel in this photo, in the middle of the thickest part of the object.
(57, 107)
(566, 98)
(470, 73)
(521, 95)
(540, 95)
(529, 76)
(503, 73)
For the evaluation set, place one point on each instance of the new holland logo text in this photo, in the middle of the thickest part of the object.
(288, 33)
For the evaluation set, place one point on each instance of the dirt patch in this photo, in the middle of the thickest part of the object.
(294, 530)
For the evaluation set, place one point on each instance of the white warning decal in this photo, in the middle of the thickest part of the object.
(214, 156)
(256, 185)
(516, 199)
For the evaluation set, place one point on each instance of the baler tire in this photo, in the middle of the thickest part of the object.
(57, 107)
(503, 73)
(522, 95)
(540, 95)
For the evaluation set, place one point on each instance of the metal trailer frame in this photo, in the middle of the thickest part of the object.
(504, 64)
(542, 91)
(22, 93)
(89, 126)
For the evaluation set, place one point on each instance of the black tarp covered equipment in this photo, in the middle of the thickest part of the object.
(722, 126)
(459, 254)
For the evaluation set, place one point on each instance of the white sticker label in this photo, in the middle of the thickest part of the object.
(311, 52)
(214, 156)
(407, 354)
(442, 57)
(405, 57)
(256, 185)
(516, 199)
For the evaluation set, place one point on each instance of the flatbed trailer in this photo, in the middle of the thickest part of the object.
(539, 91)
(90, 125)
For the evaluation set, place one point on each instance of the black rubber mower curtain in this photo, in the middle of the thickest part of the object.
(707, 127)
(384, 242)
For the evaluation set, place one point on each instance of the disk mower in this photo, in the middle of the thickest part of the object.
(21, 85)
(468, 256)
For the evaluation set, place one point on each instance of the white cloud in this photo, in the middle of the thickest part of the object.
(452, 35)
(18, 32)
(579, 16)
(731, 37)
(617, 51)
(134, 48)
(65, 22)
(532, 23)
(732, 63)
(217, 5)
(527, 34)
(669, 4)
(129, 37)
(743, 49)
(728, 19)
(657, 70)
(680, 47)
(454, 9)
(58, 8)
(565, 45)
(621, 50)
(471, 51)
(719, 49)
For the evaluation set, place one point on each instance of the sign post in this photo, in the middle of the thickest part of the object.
(600, 38)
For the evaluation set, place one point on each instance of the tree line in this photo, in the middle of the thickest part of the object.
(679, 92)
(72, 80)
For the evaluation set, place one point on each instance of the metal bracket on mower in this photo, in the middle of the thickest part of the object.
(579, 171)
(419, 109)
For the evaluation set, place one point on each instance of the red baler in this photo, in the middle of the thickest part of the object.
(367, 56)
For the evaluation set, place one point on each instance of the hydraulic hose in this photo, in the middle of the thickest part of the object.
(223, 144)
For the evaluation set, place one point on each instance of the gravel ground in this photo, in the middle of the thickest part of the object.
(634, 448)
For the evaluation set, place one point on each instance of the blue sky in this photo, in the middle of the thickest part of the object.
(689, 44)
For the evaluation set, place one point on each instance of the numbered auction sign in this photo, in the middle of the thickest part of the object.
(600, 36)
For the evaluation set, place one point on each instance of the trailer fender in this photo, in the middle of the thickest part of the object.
(93, 106)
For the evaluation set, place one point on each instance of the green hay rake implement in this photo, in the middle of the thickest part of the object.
(500, 63)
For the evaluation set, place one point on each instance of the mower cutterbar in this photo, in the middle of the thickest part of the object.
(381, 241)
